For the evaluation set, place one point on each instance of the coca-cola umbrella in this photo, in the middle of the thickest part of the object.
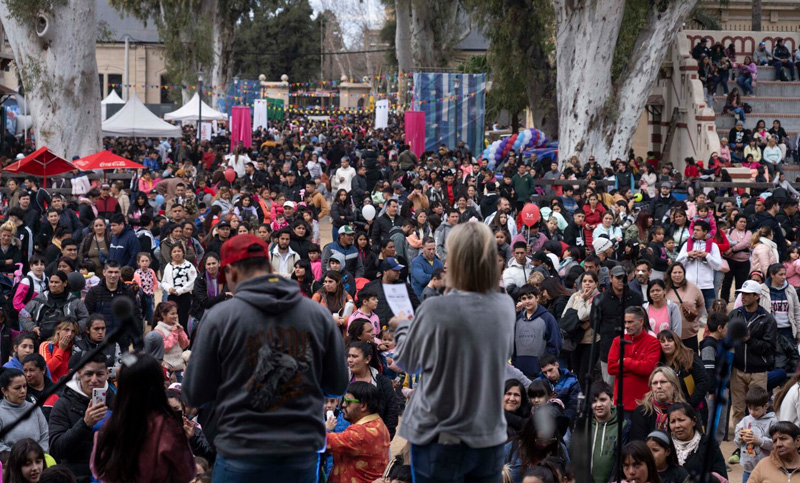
(105, 160)
(43, 163)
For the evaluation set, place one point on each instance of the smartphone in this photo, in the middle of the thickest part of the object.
(329, 415)
(98, 396)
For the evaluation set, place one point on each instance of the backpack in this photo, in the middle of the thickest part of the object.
(11, 313)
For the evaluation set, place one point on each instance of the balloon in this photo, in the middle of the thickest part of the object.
(230, 175)
(368, 211)
(530, 215)
(159, 200)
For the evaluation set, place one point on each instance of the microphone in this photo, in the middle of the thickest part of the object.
(123, 308)
(75, 282)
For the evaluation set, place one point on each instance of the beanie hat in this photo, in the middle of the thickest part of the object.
(600, 245)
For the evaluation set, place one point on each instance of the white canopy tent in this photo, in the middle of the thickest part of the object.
(112, 98)
(191, 112)
(136, 120)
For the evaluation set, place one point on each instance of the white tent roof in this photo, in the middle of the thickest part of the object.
(189, 112)
(112, 98)
(136, 120)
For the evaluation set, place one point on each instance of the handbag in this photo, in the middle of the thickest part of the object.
(688, 311)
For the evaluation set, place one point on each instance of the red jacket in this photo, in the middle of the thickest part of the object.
(641, 357)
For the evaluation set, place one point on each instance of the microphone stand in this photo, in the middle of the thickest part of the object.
(111, 339)
(620, 405)
(724, 363)
(585, 403)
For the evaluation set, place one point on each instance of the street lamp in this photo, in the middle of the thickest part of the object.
(200, 79)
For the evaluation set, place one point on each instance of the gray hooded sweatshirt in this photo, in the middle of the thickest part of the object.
(267, 358)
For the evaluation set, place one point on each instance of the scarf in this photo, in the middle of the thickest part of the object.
(684, 448)
(661, 415)
(212, 288)
(771, 245)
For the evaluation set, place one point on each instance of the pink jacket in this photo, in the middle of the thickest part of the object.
(793, 272)
(761, 259)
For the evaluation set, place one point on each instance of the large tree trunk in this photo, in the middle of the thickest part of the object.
(58, 68)
(402, 43)
(423, 35)
(222, 35)
(756, 22)
(597, 116)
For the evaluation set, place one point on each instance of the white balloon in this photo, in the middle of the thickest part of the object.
(368, 211)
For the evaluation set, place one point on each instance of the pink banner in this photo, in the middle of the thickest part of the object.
(240, 127)
(415, 131)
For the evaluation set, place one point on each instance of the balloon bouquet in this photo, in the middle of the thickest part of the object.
(529, 141)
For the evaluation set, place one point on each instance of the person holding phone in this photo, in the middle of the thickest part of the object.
(77, 413)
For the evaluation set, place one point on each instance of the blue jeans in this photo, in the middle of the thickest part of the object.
(441, 463)
(148, 307)
(709, 295)
(746, 83)
(745, 476)
(780, 65)
(739, 112)
(286, 469)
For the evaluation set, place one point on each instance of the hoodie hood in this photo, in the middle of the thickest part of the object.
(271, 294)
(768, 283)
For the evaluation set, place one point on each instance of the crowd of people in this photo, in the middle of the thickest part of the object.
(326, 305)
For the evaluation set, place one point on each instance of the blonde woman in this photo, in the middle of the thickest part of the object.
(764, 251)
(10, 253)
(223, 200)
(651, 413)
(473, 314)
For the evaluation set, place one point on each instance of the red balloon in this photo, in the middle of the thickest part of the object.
(230, 175)
(530, 215)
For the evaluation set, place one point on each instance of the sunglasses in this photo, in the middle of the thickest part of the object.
(347, 400)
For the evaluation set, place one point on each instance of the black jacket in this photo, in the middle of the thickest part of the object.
(608, 312)
(358, 189)
(71, 440)
(716, 463)
(383, 225)
(777, 232)
(660, 206)
(99, 299)
(758, 353)
(200, 299)
(342, 214)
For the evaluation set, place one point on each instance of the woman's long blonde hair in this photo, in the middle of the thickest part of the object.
(63, 324)
(472, 258)
(764, 231)
(669, 374)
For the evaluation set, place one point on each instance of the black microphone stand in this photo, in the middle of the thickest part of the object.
(585, 402)
(620, 405)
(111, 339)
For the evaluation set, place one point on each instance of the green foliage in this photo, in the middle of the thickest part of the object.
(521, 52)
(277, 42)
(633, 19)
(27, 10)
(705, 19)
(387, 35)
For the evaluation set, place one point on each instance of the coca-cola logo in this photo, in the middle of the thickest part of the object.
(113, 164)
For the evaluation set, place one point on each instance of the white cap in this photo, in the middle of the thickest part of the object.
(750, 286)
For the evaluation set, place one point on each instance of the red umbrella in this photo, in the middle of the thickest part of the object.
(42, 162)
(105, 160)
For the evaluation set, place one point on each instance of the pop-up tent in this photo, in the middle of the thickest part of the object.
(191, 112)
(112, 98)
(136, 120)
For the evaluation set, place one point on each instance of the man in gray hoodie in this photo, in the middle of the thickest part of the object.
(266, 359)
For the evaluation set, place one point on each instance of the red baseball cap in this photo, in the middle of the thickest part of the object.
(238, 248)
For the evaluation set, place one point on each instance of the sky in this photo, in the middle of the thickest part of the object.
(352, 14)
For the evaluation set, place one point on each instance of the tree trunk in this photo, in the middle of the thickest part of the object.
(423, 35)
(58, 67)
(597, 116)
(402, 42)
(222, 35)
(756, 16)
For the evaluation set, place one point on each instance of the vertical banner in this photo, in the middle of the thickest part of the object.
(415, 131)
(382, 114)
(205, 130)
(275, 109)
(240, 127)
(454, 107)
(260, 113)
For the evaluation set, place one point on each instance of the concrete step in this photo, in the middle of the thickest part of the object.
(771, 88)
(788, 105)
(790, 122)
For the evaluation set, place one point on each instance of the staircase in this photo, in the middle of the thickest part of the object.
(772, 100)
